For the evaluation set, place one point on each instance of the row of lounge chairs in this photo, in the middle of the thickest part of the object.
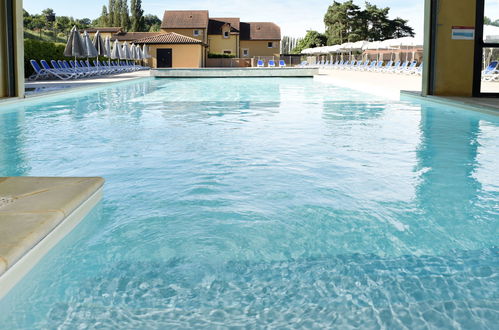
(407, 67)
(270, 64)
(491, 72)
(65, 70)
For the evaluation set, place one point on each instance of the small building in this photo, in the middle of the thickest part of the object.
(260, 39)
(173, 50)
(227, 36)
(189, 23)
(223, 36)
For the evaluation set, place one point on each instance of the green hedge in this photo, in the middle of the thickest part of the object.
(41, 50)
(213, 55)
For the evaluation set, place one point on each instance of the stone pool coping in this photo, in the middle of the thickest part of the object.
(234, 72)
(485, 105)
(35, 214)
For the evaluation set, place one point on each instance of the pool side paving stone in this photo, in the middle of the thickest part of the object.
(33, 207)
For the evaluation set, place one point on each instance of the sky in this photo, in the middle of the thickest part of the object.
(294, 17)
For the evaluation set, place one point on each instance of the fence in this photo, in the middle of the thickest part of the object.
(291, 60)
(228, 62)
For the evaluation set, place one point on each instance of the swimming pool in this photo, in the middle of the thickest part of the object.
(261, 202)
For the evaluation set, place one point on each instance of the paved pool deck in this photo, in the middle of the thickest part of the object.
(48, 86)
(397, 86)
(35, 214)
(235, 72)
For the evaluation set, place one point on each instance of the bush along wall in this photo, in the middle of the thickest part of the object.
(213, 55)
(41, 50)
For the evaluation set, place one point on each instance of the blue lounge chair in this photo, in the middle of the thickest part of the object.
(282, 64)
(378, 66)
(387, 67)
(57, 66)
(410, 68)
(271, 64)
(39, 72)
(402, 67)
(371, 66)
(344, 65)
(56, 73)
(260, 64)
(491, 72)
(393, 68)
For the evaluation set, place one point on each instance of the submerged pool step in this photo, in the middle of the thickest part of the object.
(35, 213)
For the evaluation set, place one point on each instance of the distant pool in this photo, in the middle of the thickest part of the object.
(262, 202)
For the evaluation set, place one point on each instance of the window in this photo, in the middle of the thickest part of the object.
(245, 52)
(197, 33)
(227, 51)
(270, 44)
(226, 34)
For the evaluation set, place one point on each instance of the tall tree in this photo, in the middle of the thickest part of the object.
(117, 13)
(343, 22)
(104, 17)
(125, 18)
(399, 28)
(312, 39)
(137, 14)
(346, 22)
(63, 24)
(151, 23)
(111, 16)
(488, 21)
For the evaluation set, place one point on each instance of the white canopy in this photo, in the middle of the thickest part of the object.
(404, 42)
(491, 34)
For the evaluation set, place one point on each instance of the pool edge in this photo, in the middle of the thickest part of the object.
(28, 261)
(465, 104)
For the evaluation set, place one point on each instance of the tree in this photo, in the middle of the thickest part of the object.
(346, 22)
(488, 21)
(398, 28)
(312, 39)
(111, 15)
(38, 23)
(137, 16)
(343, 23)
(151, 23)
(83, 23)
(63, 24)
(377, 22)
(125, 18)
(117, 13)
(103, 20)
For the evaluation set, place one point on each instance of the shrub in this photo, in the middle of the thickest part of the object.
(41, 50)
(213, 55)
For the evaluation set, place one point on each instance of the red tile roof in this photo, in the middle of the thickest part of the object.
(131, 36)
(216, 24)
(168, 38)
(260, 31)
(185, 19)
(104, 29)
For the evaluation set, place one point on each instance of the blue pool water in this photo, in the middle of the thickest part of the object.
(261, 203)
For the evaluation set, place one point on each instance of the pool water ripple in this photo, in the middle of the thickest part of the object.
(262, 203)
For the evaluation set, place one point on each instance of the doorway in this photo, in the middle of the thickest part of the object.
(164, 56)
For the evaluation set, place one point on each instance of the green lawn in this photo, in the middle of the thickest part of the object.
(46, 35)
